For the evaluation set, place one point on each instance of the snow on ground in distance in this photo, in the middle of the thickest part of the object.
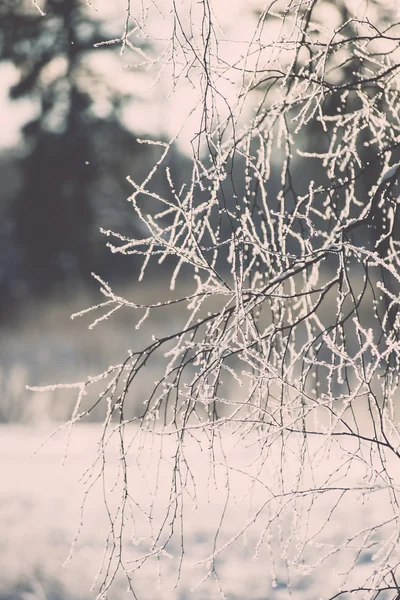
(228, 490)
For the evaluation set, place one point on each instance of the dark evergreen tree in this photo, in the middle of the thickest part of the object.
(53, 216)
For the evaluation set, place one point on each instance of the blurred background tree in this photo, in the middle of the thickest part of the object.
(69, 175)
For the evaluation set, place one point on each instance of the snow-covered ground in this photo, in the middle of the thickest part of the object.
(281, 524)
(236, 489)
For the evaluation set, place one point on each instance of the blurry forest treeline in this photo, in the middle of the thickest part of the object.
(68, 176)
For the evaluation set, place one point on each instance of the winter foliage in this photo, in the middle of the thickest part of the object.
(284, 240)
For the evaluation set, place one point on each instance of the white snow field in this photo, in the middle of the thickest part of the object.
(280, 524)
